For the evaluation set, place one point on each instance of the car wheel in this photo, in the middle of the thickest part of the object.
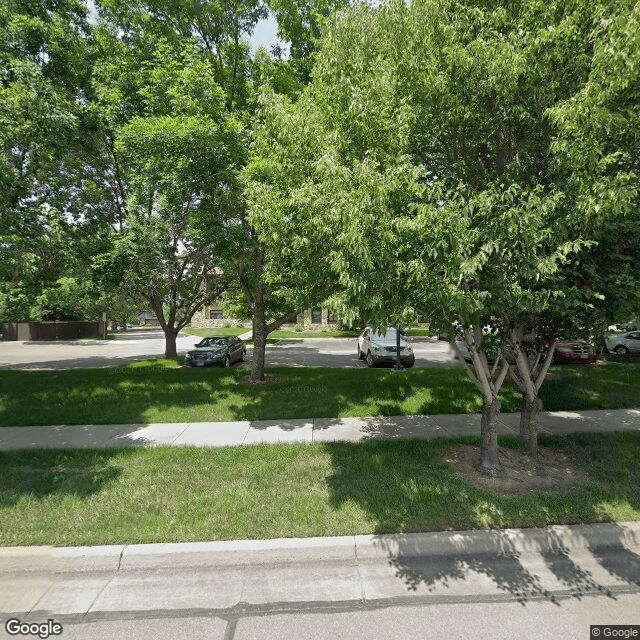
(621, 350)
(227, 361)
(411, 363)
(369, 359)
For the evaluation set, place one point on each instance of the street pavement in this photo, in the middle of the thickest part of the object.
(244, 432)
(521, 583)
(140, 344)
(88, 354)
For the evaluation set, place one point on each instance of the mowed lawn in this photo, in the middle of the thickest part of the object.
(271, 491)
(162, 391)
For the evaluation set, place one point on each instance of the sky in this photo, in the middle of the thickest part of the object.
(265, 34)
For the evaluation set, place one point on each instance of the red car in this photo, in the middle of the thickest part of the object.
(574, 352)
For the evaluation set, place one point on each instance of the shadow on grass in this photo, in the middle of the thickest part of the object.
(405, 487)
(38, 475)
(161, 391)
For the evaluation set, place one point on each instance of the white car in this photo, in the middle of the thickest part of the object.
(626, 343)
(375, 348)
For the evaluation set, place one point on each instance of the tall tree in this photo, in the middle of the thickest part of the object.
(487, 235)
(45, 68)
(174, 154)
(597, 157)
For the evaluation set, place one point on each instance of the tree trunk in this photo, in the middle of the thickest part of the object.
(170, 344)
(529, 425)
(259, 344)
(489, 462)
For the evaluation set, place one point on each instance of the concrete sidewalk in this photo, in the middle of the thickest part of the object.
(226, 434)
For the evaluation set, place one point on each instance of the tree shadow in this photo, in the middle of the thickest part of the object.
(512, 572)
(404, 487)
(41, 474)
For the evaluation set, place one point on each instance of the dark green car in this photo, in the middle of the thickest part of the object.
(217, 350)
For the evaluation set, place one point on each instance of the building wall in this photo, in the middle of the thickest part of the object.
(305, 319)
(201, 320)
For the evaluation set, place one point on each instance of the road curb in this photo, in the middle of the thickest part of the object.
(344, 549)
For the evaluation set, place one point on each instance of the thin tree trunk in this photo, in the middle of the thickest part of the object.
(170, 350)
(529, 426)
(529, 374)
(259, 341)
(489, 382)
(489, 462)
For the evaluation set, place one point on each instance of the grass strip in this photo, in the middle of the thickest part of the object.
(162, 391)
(214, 331)
(192, 494)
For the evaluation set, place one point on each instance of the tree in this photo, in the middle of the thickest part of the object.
(167, 251)
(150, 73)
(283, 264)
(460, 90)
(44, 75)
(597, 157)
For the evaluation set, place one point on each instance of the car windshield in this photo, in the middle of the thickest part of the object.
(214, 342)
(388, 337)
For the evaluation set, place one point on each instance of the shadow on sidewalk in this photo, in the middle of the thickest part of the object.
(405, 486)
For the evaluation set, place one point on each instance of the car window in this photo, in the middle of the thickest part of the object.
(211, 342)
(634, 336)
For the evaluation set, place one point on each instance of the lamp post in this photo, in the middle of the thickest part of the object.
(398, 365)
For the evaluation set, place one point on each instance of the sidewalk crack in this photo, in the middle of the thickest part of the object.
(86, 613)
(188, 424)
(120, 557)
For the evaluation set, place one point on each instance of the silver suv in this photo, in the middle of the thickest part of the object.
(376, 349)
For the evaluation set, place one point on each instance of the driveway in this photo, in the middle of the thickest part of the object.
(139, 345)
(124, 348)
(342, 352)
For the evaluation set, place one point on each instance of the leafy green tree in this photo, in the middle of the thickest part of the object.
(215, 28)
(596, 155)
(167, 251)
(44, 74)
(283, 265)
(462, 91)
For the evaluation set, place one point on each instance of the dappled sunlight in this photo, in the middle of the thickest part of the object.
(487, 515)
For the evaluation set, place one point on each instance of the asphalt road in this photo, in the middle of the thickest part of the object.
(89, 354)
(542, 584)
(142, 344)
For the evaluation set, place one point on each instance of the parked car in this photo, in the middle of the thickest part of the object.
(492, 352)
(632, 325)
(626, 343)
(574, 352)
(217, 350)
(376, 349)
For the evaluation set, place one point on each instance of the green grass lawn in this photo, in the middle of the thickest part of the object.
(162, 391)
(193, 494)
(421, 331)
(314, 334)
(218, 331)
